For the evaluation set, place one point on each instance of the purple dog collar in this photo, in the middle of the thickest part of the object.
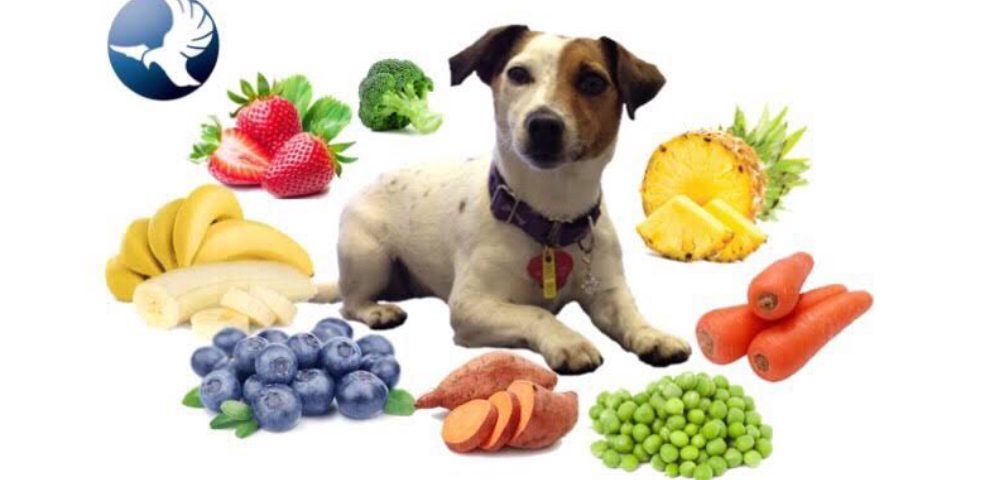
(507, 208)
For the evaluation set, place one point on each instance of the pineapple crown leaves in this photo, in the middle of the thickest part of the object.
(770, 139)
(211, 136)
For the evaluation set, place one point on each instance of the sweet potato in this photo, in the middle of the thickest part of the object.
(508, 415)
(467, 426)
(483, 376)
(546, 416)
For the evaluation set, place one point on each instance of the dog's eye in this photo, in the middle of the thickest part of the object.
(519, 75)
(591, 84)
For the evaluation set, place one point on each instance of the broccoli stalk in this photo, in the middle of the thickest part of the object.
(408, 104)
(394, 95)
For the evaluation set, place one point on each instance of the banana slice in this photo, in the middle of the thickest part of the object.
(207, 323)
(206, 205)
(241, 301)
(282, 307)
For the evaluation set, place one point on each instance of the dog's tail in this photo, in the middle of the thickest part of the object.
(327, 292)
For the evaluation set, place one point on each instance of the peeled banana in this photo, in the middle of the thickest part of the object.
(167, 300)
(161, 234)
(240, 300)
(206, 205)
(121, 281)
(284, 310)
(249, 240)
(207, 323)
(135, 252)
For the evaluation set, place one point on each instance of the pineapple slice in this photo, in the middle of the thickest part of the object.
(681, 230)
(747, 239)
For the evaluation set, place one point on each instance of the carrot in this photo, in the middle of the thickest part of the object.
(781, 350)
(483, 376)
(545, 416)
(774, 292)
(508, 415)
(467, 426)
(725, 334)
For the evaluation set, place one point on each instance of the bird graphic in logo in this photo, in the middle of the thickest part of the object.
(163, 49)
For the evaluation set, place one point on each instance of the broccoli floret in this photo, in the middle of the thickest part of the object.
(394, 95)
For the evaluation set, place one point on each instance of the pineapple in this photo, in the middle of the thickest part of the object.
(682, 230)
(747, 239)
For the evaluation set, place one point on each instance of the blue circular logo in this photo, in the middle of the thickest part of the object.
(163, 49)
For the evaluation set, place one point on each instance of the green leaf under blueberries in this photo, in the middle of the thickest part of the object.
(193, 399)
(236, 410)
(400, 402)
(247, 428)
(222, 421)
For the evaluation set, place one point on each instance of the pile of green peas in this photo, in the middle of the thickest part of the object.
(694, 425)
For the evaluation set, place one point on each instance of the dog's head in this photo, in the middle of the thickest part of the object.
(556, 99)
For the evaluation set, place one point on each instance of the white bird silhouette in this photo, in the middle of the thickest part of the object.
(190, 34)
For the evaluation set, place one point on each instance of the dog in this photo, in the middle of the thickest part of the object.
(466, 232)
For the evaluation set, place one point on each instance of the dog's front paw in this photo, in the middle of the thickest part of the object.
(572, 356)
(657, 348)
(382, 316)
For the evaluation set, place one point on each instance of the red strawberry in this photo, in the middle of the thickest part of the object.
(265, 115)
(302, 166)
(238, 160)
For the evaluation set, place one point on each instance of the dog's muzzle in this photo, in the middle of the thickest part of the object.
(545, 130)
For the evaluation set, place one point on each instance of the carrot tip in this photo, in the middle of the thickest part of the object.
(760, 361)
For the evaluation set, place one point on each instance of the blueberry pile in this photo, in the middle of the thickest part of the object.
(272, 379)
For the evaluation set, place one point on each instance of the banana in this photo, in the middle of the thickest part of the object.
(207, 323)
(241, 301)
(121, 281)
(167, 300)
(135, 252)
(248, 240)
(284, 310)
(206, 205)
(161, 234)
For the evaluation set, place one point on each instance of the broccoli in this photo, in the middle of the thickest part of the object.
(394, 95)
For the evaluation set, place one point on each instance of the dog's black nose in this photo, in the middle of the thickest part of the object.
(545, 128)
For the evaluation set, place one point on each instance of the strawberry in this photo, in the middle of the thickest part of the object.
(265, 114)
(233, 157)
(302, 166)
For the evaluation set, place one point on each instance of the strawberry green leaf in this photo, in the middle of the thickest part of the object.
(296, 89)
(247, 89)
(263, 87)
(326, 118)
(211, 136)
(247, 428)
(236, 98)
(340, 147)
(343, 159)
(339, 168)
(192, 399)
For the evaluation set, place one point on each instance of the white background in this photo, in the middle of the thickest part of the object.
(901, 103)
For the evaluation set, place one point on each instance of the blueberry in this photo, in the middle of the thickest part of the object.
(306, 347)
(277, 408)
(361, 395)
(251, 388)
(204, 359)
(217, 387)
(340, 356)
(274, 336)
(231, 366)
(227, 338)
(375, 344)
(341, 326)
(246, 351)
(276, 364)
(315, 388)
(385, 367)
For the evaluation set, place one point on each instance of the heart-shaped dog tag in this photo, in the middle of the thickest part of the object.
(563, 263)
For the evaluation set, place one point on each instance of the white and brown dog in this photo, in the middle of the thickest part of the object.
(466, 232)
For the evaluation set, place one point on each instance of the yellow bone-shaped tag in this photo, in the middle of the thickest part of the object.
(549, 285)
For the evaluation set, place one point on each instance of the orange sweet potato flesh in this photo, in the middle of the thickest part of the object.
(508, 414)
(546, 416)
(467, 426)
(483, 376)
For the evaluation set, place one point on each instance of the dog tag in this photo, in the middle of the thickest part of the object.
(550, 270)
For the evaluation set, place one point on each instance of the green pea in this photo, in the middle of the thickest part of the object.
(751, 405)
(629, 463)
(652, 444)
(613, 402)
(689, 452)
(691, 429)
(603, 396)
(702, 457)
(657, 401)
(626, 409)
(764, 447)
(597, 448)
(644, 414)
(765, 431)
(698, 440)
(722, 394)
(609, 421)
(705, 387)
(657, 463)
(676, 422)
(704, 403)
(671, 390)
(753, 418)
(623, 394)
(736, 430)
(687, 381)
(598, 427)
(611, 459)
(640, 432)
(713, 429)
(753, 431)
(667, 379)
(718, 409)
(664, 432)
(674, 406)
(641, 398)
(752, 459)
(651, 387)
(626, 428)
(735, 415)
(672, 470)
(658, 424)
(687, 469)
(621, 443)
(669, 453)
(595, 412)
(744, 443)
(679, 439)
(736, 402)
(721, 381)
(718, 465)
(691, 399)
(703, 472)
(696, 416)
(733, 457)
(735, 391)
(640, 453)
(716, 447)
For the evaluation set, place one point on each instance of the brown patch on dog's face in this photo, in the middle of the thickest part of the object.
(586, 91)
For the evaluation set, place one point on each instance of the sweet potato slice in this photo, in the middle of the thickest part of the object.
(467, 426)
(483, 376)
(546, 416)
(508, 414)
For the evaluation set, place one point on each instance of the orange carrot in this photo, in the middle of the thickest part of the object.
(781, 350)
(508, 415)
(725, 334)
(774, 292)
(467, 426)
(545, 416)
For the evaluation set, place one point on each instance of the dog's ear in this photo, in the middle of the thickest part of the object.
(487, 55)
(637, 80)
